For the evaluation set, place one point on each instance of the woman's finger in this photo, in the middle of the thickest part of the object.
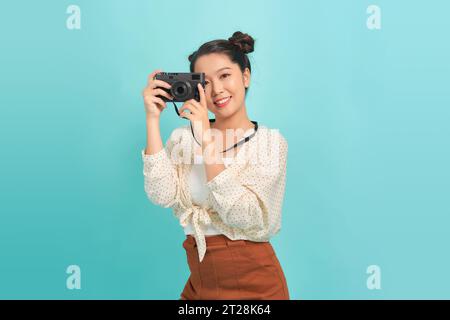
(152, 75)
(202, 94)
(161, 92)
(189, 106)
(158, 101)
(184, 109)
(195, 103)
(185, 115)
(159, 83)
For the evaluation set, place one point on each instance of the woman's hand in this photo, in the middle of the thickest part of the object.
(155, 105)
(198, 116)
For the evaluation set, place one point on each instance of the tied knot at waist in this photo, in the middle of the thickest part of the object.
(198, 217)
(195, 214)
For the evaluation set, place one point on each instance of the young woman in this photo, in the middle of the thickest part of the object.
(224, 178)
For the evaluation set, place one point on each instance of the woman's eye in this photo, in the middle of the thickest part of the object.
(224, 75)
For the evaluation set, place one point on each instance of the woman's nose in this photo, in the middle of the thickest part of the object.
(216, 89)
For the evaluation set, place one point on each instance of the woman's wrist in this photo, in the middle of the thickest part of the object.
(154, 142)
(151, 119)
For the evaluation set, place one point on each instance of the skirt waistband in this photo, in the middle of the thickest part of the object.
(219, 239)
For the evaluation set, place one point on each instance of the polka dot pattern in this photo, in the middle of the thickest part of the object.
(244, 200)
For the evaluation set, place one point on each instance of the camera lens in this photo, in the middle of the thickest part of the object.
(180, 90)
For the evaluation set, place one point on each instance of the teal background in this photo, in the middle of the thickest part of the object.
(365, 113)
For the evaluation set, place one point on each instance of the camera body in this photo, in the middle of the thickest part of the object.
(183, 85)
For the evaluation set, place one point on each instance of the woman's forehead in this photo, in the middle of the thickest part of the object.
(212, 63)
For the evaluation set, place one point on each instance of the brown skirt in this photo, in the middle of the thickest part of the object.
(234, 270)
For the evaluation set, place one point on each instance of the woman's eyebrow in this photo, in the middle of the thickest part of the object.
(222, 69)
(219, 70)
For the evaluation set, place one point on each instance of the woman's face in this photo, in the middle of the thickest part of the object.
(223, 79)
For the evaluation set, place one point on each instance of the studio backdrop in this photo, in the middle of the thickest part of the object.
(359, 89)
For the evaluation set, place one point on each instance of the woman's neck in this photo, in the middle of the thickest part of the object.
(239, 120)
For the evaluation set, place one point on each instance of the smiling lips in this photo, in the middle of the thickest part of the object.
(222, 102)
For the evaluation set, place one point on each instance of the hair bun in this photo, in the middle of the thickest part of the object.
(242, 40)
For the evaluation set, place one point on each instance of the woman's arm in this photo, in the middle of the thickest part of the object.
(161, 181)
(154, 141)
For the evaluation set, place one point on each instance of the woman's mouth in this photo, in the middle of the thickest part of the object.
(222, 103)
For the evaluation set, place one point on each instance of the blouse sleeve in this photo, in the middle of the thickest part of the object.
(253, 199)
(161, 181)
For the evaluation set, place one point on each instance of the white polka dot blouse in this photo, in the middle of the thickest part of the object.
(244, 200)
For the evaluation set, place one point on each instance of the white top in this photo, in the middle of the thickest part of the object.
(199, 191)
(247, 198)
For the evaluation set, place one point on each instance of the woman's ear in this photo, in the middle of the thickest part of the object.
(246, 77)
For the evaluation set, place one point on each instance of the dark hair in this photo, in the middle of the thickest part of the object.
(236, 48)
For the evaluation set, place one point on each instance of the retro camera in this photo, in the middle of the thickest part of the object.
(183, 85)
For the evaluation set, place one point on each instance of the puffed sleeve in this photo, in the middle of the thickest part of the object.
(161, 181)
(252, 198)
